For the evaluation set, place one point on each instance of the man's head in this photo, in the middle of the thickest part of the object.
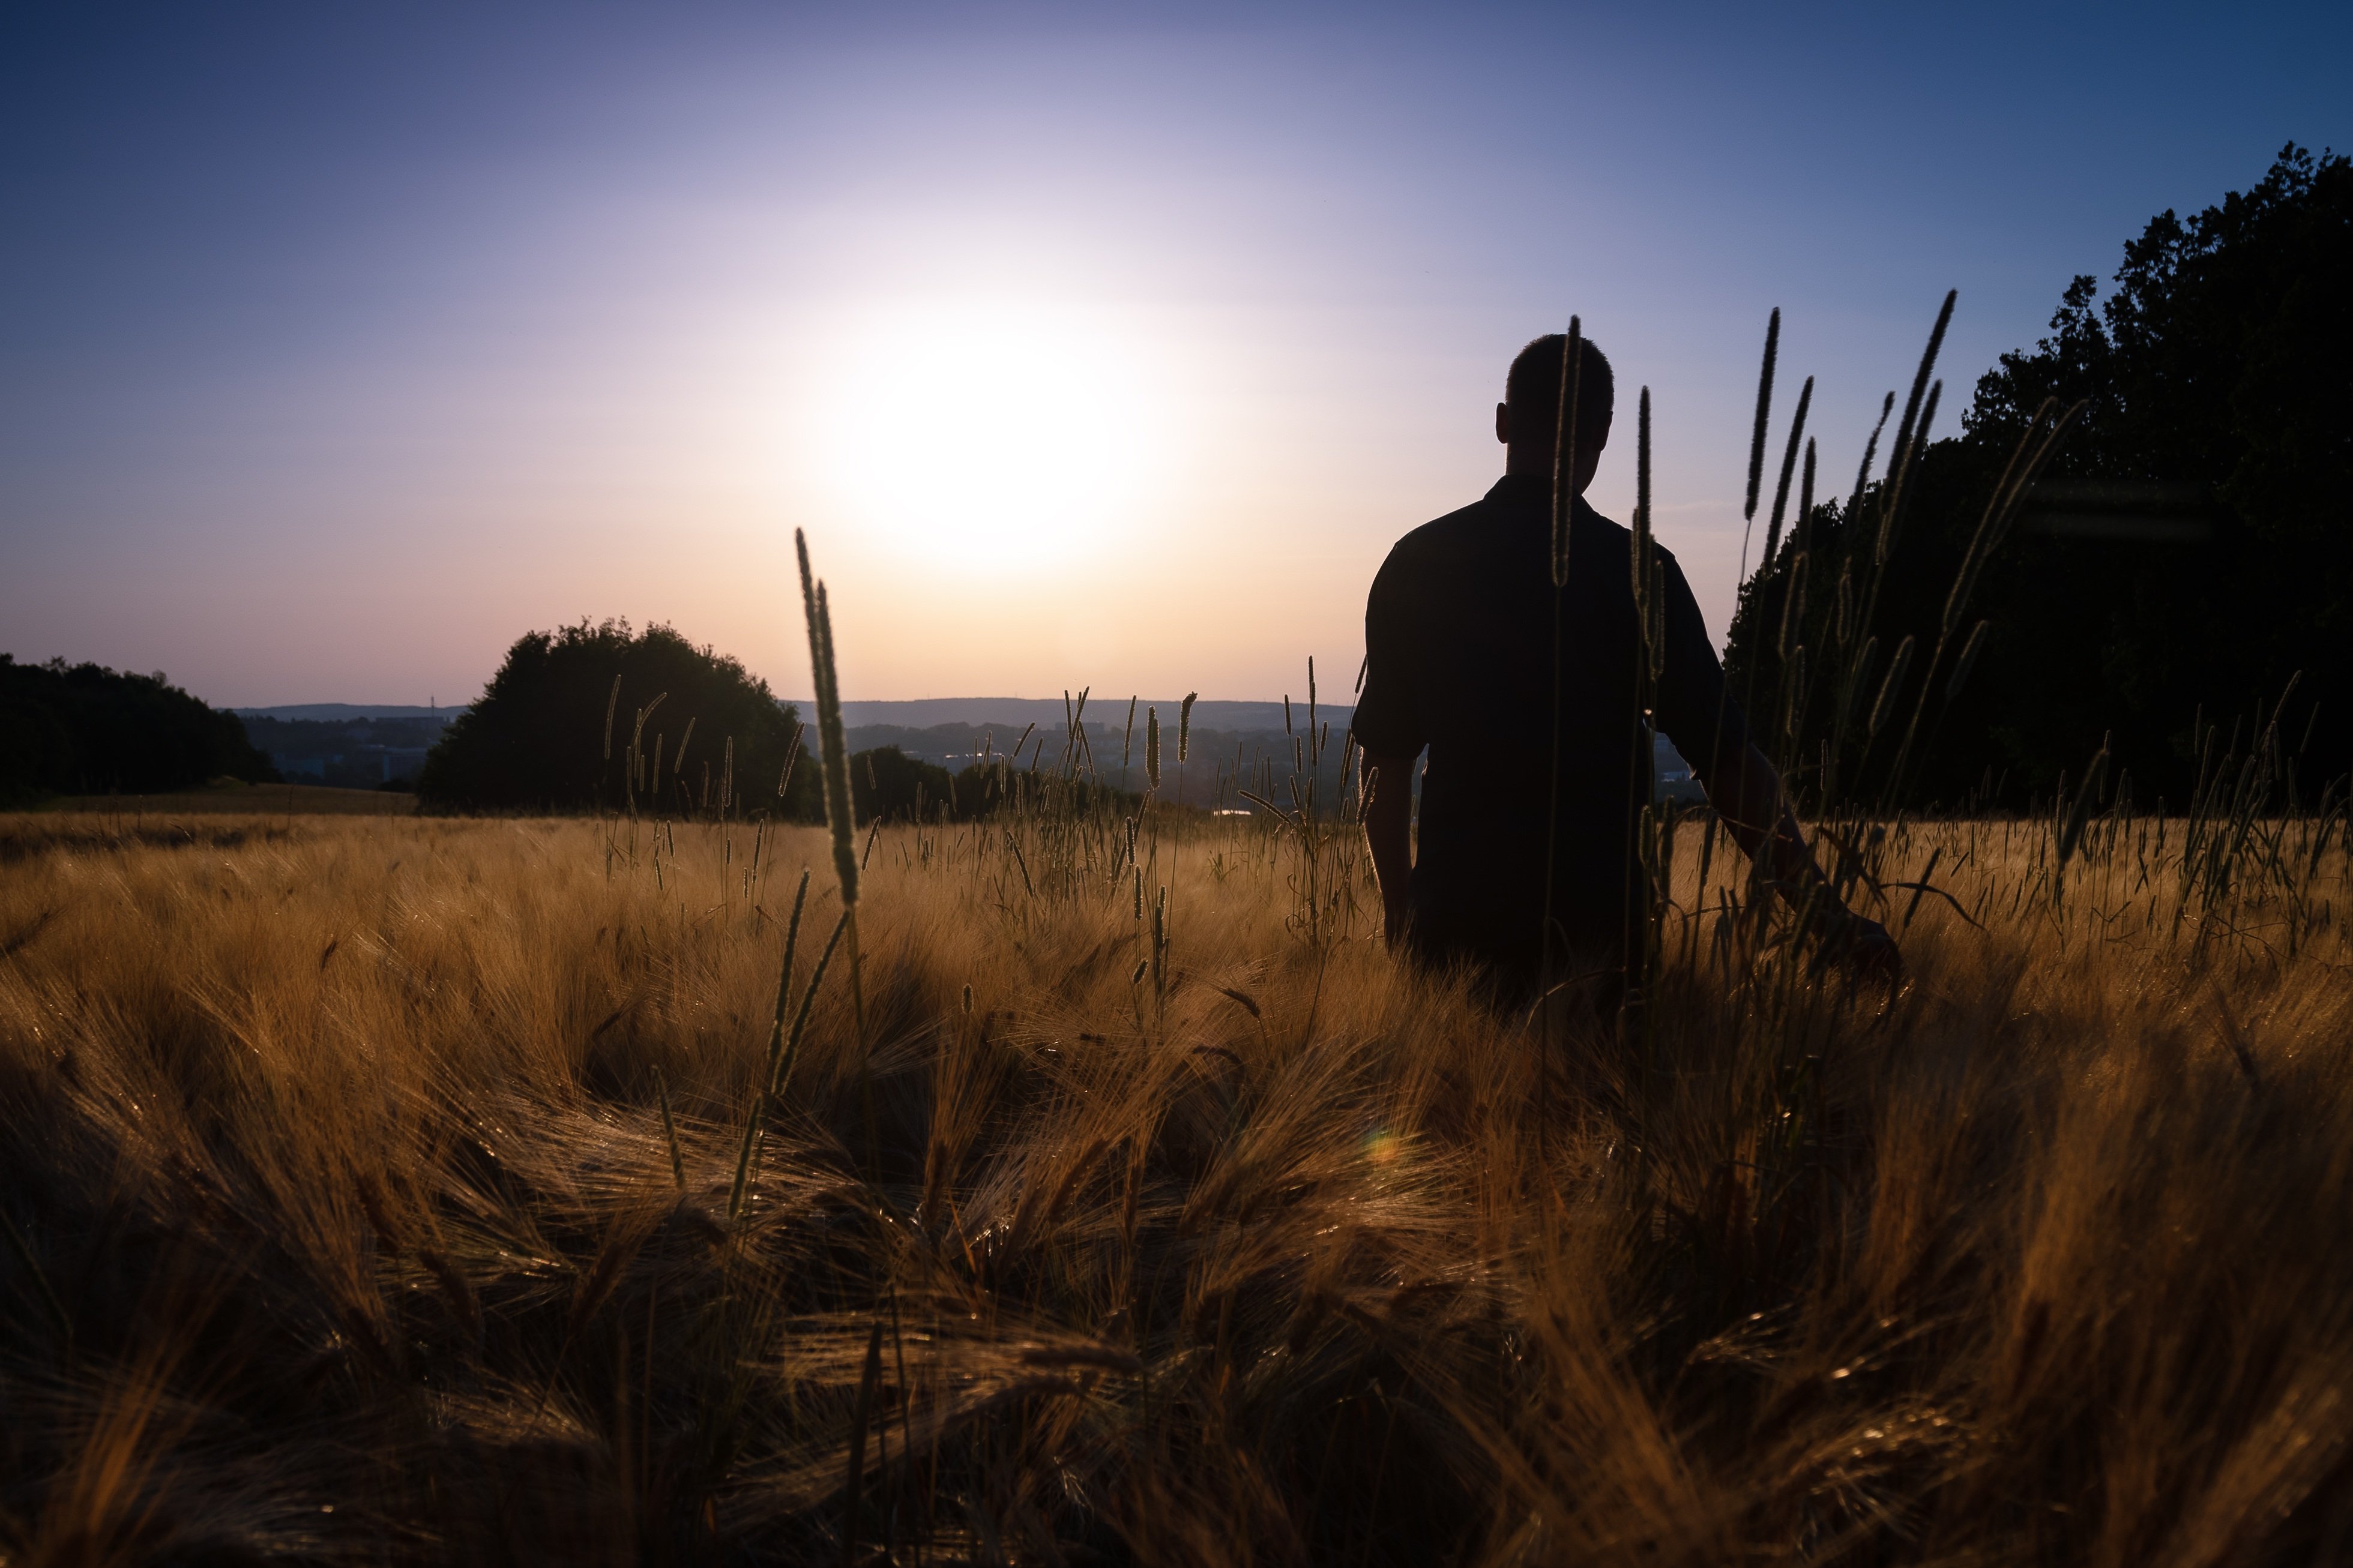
(1528, 419)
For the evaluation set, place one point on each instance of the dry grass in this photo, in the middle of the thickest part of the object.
(339, 1145)
(245, 800)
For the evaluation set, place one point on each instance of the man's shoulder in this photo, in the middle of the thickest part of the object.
(1493, 518)
(1605, 527)
(1443, 535)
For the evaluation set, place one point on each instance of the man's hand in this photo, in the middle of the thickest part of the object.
(1746, 794)
(1387, 813)
(1863, 946)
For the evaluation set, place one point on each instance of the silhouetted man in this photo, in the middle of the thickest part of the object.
(1459, 642)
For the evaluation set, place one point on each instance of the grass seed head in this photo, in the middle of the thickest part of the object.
(1764, 412)
(833, 745)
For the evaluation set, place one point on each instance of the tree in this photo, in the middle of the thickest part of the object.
(553, 732)
(886, 782)
(2218, 361)
(86, 730)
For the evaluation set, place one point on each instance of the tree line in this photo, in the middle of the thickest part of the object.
(83, 729)
(2187, 552)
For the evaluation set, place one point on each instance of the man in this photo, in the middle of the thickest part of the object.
(1459, 642)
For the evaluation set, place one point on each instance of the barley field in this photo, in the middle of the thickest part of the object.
(410, 1190)
(237, 799)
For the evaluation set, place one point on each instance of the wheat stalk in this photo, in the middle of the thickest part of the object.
(1756, 434)
(834, 752)
(1563, 515)
(669, 1130)
(1127, 743)
(1564, 450)
(1911, 438)
(792, 755)
(833, 746)
(1967, 662)
(1788, 461)
(1764, 414)
(1890, 689)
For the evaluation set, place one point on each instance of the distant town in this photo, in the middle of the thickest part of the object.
(1230, 746)
(345, 745)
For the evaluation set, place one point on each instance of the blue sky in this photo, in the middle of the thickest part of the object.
(339, 346)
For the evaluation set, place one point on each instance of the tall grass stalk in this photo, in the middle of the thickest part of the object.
(1551, 949)
(834, 751)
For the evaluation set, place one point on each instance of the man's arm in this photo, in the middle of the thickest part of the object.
(1390, 730)
(1386, 808)
(1743, 785)
(1746, 794)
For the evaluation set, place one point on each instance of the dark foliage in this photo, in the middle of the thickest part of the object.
(539, 739)
(986, 787)
(86, 730)
(1223, 761)
(2223, 358)
(887, 781)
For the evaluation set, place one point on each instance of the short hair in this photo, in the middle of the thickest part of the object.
(1532, 390)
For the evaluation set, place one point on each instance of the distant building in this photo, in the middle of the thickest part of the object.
(347, 750)
(1673, 776)
(401, 762)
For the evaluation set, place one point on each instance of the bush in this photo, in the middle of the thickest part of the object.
(552, 732)
(985, 787)
(886, 782)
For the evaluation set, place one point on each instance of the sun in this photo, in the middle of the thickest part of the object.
(992, 433)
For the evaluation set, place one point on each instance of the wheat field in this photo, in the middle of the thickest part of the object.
(380, 1190)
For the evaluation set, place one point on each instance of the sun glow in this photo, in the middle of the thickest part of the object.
(993, 433)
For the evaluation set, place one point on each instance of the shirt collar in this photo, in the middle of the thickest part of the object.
(1527, 490)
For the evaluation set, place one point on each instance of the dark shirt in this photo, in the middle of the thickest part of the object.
(1459, 644)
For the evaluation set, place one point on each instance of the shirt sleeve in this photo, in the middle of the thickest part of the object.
(1386, 720)
(1694, 710)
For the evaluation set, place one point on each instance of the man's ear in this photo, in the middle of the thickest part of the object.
(1503, 424)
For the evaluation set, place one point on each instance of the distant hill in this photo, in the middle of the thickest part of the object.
(1235, 744)
(345, 713)
(923, 712)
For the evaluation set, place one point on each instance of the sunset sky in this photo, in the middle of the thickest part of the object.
(1109, 344)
